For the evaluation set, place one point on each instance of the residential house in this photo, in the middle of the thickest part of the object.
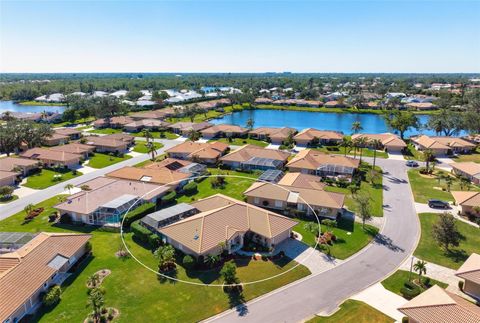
(150, 124)
(334, 104)
(108, 200)
(207, 153)
(22, 165)
(469, 202)
(169, 215)
(274, 135)
(263, 101)
(470, 273)
(439, 305)
(128, 139)
(55, 139)
(161, 176)
(470, 170)
(52, 158)
(441, 146)
(226, 224)
(74, 134)
(389, 142)
(179, 165)
(421, 106)
(8, 178)
(29, 271)
(117, 122)
(75, 148)
(310, 135)
(155, 114)
(251, 157)
(184, 128)
(310, 161)
(111, 143)
(223, 130)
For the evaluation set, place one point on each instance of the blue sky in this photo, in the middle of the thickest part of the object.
(240, 36)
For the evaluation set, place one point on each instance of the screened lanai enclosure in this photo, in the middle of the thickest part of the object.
(334, 170)
(11, 241)
(111, 213)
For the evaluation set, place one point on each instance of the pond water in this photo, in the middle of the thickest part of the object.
(371, 123)
(13, 107)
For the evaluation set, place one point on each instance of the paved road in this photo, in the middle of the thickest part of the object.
(14, 207)
(322, 293)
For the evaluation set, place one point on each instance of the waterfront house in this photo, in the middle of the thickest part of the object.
(389, 142)
(263, 101)
(225, 224)
(52, 158)
(443, 145)
(155, 114)
(251, 157)
(421, 106)
(108, 200)
(31, 269)
(470, 273)
(439, 305)
(274, 135)
(310, 135)
(334, 104)
(207, 153)
(22, 165)
(184, 128)
(76, 148)
(223, 130)
(470, 170)
(310, 161)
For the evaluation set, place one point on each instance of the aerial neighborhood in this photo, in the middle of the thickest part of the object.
(122, 191)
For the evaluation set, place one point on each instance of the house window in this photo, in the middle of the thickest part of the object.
(278, 203)
(256, 200)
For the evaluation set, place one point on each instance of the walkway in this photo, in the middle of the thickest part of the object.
(325, 291)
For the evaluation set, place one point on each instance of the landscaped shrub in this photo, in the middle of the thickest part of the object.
(52, 297)
(404, 319)
(188, 262)
(460, 285)
(140, 232)
(190, 188)
(65, 219)
(410, 290)
(138, 213)
(154, 240)
(169, 198)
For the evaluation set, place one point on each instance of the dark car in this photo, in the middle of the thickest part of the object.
(438, 204)
(411, 163)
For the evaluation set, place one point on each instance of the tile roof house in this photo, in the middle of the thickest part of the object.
(108, 200)
(468, 201)
(421, 106)
(223, 130)
(470, 170)
(275, 135)
(70, 132)
(8, 178)
(75, 148)
(113, 122)
(438, 305)
(306, 136)
(207, 153)
(298, 193)
(159, 176)
(225, 220)
(55, 139)
(151, 124)
(251, 157)
(23, 165)
(390, 142)
(314, 162)
(184, 128)
(110, 143)
(52, 158)
(155, 114)
(179, 165)
(33, 268)
(442, 145)
(470, 272)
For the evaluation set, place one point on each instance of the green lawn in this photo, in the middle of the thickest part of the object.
(141, 146)
(474, 157)
(242, 141)
(351, 237)
(412, 154)
(156, 134)
(37, 103)
(395, 282)
(430, 251)
(427, 187)
(106, 131)
(354, 312)
(4, 200)
(100, 160)
(45, 178)
(341, 151)
(137, 292)
(207, 116)
(234, 187)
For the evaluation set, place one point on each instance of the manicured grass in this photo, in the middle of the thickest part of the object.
(100, 160)
(234, 187)
(141, 146)
(76, 122)
(430, 251)
(395, 282)
(412, 154)
(427, 187)
(139, 293)
(156, 134)
(212, 114)
(332, 110)
(242, 141)
(37, 103)
(341, 151)
(106, 131)
(148, 161)
(474, 157)
(351, 237)
(45, 178)
(4, 200)
(354, 312)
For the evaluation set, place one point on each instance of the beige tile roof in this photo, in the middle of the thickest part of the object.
(203, 150)
(67, 131)
(153, 123)
(273, 133)
(189, 126)
(224, 128)
(48, 154)
(302, 181)
(442, 142)
(470, 270)
(118, 120)
(56, 136)
(470, 168)
(28, 268)
(104, 141)
(169, 163)
(387, 139)
(9, 163)
(312, 159)
(156, 176)
(121, 136)
(85, 202)
(438, 305)
(467, 198)
(155, 114)
(74, 148)
(220, 217)
(310, 133)
(314, 197)
(6, 174)
(247, 152)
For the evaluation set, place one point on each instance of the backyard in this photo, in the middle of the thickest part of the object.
(156, 134)
(47, 177)
(141, 147)
(474, 157)
(137, 292)
(430, 251)
(350, 152)
(101, 160)
(242, 141)
(352, 311)
(396, 282)
(351, 237)
(106, 131)
(426, 187)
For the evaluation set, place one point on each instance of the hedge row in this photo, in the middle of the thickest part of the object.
(138, 213)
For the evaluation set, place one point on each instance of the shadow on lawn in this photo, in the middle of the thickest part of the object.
(457, 255)
(237, 300)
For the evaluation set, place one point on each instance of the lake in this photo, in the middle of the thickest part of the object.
(371, 123)
(13, 107)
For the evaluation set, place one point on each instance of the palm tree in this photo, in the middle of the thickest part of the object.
(211, 260)
(356, 127)
(151, 149)
(96, 300)
(250, 123)
(346, 143)
(428, 157)
(448, 181)
(93, 281)
(362, 142)
(376, 144)
(147, 134)
(355, 147)
(421, 267)
(28, 208)
(69, 187)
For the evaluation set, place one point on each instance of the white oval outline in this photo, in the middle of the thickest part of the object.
(314, 248)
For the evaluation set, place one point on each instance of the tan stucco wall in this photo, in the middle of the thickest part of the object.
(471, 288)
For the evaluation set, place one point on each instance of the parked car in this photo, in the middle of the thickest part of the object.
(438, 204)
(411, 163)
